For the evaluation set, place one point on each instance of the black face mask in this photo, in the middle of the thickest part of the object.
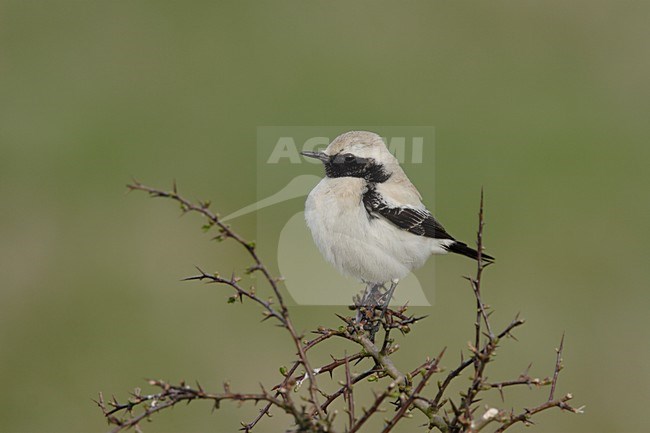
(348, 165)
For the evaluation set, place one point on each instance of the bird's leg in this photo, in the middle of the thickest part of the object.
(366, 312)
(367, 300)
(370, 287)
(388, 296)
(372, 299)
(375, 296)
(360, 302)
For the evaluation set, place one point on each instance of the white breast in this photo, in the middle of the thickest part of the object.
(371, 249)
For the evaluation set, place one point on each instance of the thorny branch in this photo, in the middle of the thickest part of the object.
(401, 386)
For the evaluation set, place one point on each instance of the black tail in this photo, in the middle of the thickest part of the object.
(461, 248)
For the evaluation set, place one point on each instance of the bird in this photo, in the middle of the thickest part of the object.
(367, 218)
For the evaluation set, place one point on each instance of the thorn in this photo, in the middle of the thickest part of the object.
(345, 319)
(527, 370)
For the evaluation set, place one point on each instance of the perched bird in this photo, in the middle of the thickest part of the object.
(366, 217)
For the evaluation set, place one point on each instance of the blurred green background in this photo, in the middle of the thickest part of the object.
(545, 104)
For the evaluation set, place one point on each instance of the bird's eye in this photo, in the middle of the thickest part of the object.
(349, 157)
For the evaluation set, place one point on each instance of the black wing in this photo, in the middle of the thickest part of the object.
(417, 221)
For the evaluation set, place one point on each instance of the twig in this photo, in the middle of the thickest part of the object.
(171, 395)
(348, 394)
(405, 405)
(379, 399)
(558, 367)
(225, 231)
(312, 416)
(525, 416)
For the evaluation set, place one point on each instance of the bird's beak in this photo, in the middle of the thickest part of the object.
(318, 155)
